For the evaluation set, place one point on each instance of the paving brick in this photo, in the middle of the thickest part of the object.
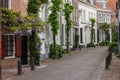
(114, 71)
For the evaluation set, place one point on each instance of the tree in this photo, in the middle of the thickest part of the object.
(92, 20)
(33, 18)
(68, 9)
(54, 21)
(105, 27)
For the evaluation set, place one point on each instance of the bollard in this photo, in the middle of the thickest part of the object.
(106, 63)
(19, 67)
(110, 57)
(32, 64)
(80, 47)
(0, 73)
(73, 47)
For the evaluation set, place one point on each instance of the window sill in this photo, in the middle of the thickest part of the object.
(10, 57)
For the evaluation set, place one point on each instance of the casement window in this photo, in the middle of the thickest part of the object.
(84, 16)
(89, 14)
(108, 17)
(9, 45)
(103, 4)
(81, 35)
(103, 17)
(99, 17)
(94, 15)
(5, 3)
(62, 35)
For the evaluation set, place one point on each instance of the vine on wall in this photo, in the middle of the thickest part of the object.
(54, 21)
(33, 9)
(68, 9)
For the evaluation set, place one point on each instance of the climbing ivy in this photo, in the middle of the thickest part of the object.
(33, 18)
(68, 9)
(10, 19)
(105, 26)
(54, 21)
(92, 20)
(34, 5)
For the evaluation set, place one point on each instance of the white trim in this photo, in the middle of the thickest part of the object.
(10, 57)
(9, 4)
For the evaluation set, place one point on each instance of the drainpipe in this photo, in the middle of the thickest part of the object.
(0, 46)
(118, 18)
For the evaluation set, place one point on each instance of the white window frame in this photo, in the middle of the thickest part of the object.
(13, 56)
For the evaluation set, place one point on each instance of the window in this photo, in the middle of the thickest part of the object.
(99, 17)
(103, 17)
(4, 3)
(81, 35)
(103, 4)
(89, 15)
(62, 35)
(9, 45)
(108, 17)
(84, 16)
(94, 16)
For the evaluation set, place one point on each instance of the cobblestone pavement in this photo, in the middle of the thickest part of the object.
(113, 73)
(85, 64)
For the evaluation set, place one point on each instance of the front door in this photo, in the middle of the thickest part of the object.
(24, 57)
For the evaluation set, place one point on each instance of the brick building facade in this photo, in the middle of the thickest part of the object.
(10, 59)
(19, 5)
(111, 4)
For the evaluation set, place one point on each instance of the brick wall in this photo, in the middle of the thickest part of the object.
(111, 4)
(20, 5)
(16, 5)
(9, 63)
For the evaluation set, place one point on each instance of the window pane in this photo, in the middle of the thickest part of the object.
(9, 45)
(4, 3)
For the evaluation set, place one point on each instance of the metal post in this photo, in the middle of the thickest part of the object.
(32, 64)
(106, 63)
(110, 55)
(118, 18)
(0, 73)
(0, 41)
(19, 67)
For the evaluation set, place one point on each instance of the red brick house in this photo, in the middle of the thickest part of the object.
(103, 15)
(111, 4)
(13, 46)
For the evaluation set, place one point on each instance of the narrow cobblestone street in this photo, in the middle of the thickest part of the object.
(85, 64)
